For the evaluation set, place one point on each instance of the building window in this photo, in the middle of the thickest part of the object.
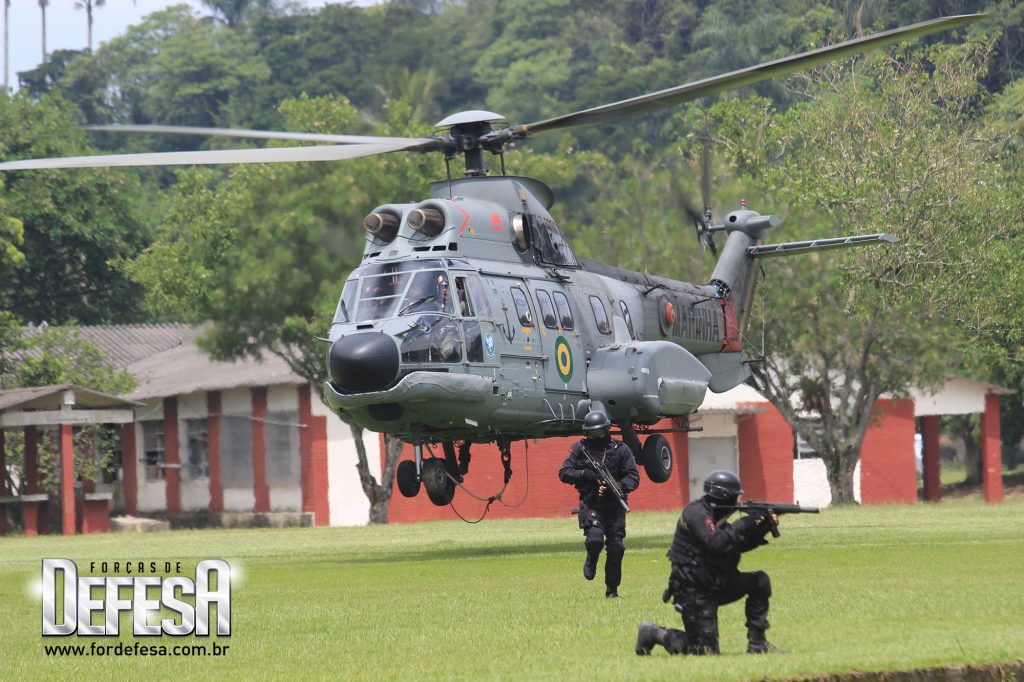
(198, 464)
(236, 451)
(153, 449)
(282, 434)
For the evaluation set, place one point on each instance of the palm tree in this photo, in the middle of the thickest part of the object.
(234, 12)
(42, 6)
(88, 6)
(7, 42)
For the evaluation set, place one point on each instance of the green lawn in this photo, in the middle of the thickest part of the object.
(878, 588)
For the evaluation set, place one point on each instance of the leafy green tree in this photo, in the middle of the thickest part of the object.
(890, 144)
(75, 223)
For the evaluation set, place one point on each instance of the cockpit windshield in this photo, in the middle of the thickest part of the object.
(380, 290)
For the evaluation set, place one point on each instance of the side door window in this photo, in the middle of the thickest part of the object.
(547, 309)
(564, 312)
(628, 318)
(600, 315)
(522, 307)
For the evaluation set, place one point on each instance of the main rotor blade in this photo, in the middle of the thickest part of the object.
(258, 134)
(200, 158)
(734, 79)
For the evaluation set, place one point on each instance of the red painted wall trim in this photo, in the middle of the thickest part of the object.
(172, 456)
(887, 469)
(305, 447)
(213, 415)
(765, 442)
(318, 457)
(259, 449)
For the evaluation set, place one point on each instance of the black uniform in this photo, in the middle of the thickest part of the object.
(705, 557)
(602, 518)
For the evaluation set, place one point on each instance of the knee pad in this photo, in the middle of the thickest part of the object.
(593, 546)
(615, 550)
(764, 583)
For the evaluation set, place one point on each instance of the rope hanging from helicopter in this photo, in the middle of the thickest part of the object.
(506, 461)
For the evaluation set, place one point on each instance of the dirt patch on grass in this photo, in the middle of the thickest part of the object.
(957, 673)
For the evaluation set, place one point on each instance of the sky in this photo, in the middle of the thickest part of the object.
(66, 27)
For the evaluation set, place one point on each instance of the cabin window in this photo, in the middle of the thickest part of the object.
(628, 318)
(547, 310)
(474, 341)
(522, 307)
(600, 315)
(564, 311)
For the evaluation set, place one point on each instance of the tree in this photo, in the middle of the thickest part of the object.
(234, 12)
(888, 144)
(75, 223)
(42, 8)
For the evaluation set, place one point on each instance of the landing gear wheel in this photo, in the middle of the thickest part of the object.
(440, 488)
(657, 458)
(408, 484)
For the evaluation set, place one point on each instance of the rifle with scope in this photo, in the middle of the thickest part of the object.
(767, 509)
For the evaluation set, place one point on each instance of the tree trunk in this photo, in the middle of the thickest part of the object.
(840, 466)
(378, 493)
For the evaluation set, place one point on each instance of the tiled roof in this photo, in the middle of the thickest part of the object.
(125, 344)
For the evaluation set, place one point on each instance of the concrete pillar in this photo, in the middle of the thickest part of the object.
(930, 458)
(172, 457)
(129, 470)
(67, 480)
(306, 447)
(259, 449)
(213, 416)
(991, 451)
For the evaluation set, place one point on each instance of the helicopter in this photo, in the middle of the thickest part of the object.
(471, 320)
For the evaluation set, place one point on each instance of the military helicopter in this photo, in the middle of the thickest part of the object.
(471, 320)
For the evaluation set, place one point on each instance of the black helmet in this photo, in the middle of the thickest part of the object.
(595, 425)
(722, 487)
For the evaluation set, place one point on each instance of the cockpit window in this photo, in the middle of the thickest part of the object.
(388, 290)
(347, 303)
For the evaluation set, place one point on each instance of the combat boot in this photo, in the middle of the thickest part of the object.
(649, 634)
(590, 568)
(757, 643)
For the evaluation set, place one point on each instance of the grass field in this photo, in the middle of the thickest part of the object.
(878, 588)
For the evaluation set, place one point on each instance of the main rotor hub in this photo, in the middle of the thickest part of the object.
(471, 133)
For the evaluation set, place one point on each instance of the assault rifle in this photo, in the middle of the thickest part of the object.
(606, 478)
(766, 509)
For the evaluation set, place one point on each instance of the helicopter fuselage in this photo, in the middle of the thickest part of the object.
(470, 318)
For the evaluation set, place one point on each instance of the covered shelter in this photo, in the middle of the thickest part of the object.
(960, 395)
(64, 406)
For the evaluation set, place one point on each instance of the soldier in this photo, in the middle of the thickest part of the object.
(705, 557)
(602, 516)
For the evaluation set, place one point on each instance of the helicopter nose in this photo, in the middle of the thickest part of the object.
(363, 362)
